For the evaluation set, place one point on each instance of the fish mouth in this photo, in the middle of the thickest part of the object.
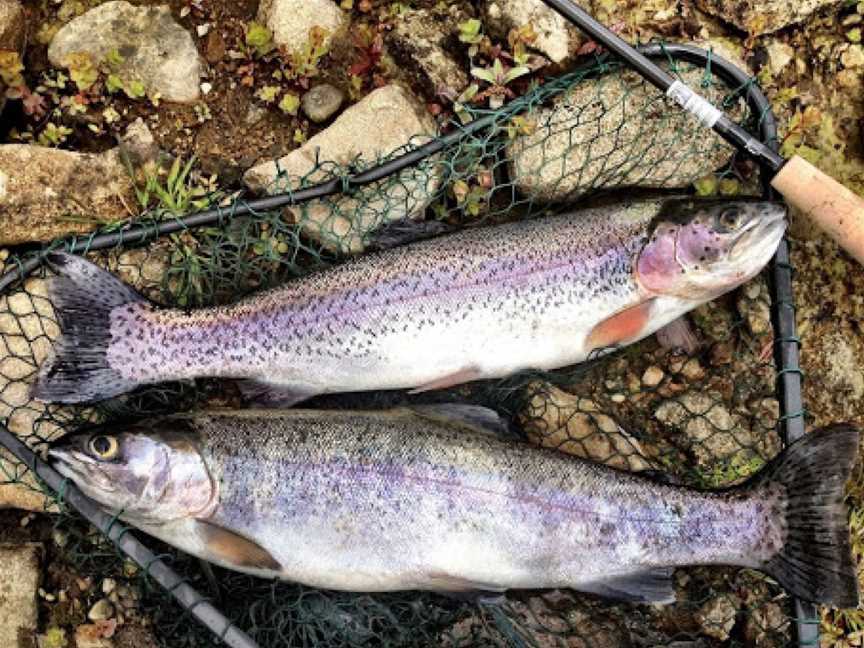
(74, 465)
(760, 237)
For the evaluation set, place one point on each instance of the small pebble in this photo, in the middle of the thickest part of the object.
(84, 583)
(693, 370)
(206, 87)
(60, 538)
(653, 376)
(108, 585)
(203, 29)
(753, 291)
(101, 610)
(618, 398)
(321, 102)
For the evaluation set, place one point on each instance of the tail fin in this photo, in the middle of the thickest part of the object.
(815, 563)
(83, 296)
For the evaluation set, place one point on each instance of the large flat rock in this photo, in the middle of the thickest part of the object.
(759, 17)
(384, 121)
(156, 50)
(20, 569)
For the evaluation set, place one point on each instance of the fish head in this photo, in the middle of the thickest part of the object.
(147, 475)
(700, 249)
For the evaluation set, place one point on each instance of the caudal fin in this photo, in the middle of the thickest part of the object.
(815, 563)
(83, 296)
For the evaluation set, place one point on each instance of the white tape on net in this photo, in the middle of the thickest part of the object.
(695, 104)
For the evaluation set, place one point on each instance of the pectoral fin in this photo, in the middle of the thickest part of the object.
(651, 586)
(234, 549)
(451, 380)
(621, 328)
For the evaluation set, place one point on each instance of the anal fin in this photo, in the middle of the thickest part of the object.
(265, 394)
(233, 549)
(650, 586)
(451, 380)
(621, 328)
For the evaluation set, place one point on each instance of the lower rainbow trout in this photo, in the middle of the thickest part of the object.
(425, 499)
(481, 303)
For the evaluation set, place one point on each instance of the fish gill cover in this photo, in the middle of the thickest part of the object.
(707, 418)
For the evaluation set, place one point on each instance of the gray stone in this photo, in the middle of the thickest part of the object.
(385, 120)
(716, 617)
(12, 31)
(20, 567)
(322, 102)
(422, 42)
(291, 20)
(42, 189)
(557, 39)
(616, 131)
(101, 610)
(758, 17)
(157, 51)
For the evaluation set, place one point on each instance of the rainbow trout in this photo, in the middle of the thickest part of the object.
(424, 499)
(481, 303)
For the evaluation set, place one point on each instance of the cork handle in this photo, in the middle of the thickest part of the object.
(826, 202)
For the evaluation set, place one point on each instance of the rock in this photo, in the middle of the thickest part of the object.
(422, 42)
(137, 145)
(291, 20)
(764, 16)
(156, 50)
(343, 224)
(557, 39)
(853, 57)
(767, 626)
(779, 56)
(101, 610)
(754, 306)
(95, 635)
(556, 419)
(12, 25)
(717, 617)
(653, 376)
(615, 131)
(20, 566)
(47, 193)
(42, 189)
(713, 433)
(12, 32)
(322, 102)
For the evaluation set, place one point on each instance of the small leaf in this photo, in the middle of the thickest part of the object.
(483, 75)
(259, 38)
(290, 103)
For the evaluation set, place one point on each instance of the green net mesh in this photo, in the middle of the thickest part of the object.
(707, 419)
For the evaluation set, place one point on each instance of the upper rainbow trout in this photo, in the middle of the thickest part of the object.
(481, 303)
(422, 499)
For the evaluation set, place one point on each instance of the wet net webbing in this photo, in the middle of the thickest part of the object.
(708, 419)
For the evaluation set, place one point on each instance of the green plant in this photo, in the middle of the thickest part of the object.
(499, 76)
(53, 135)
(303, 61)
(82, 70)
(11, 68)
(290, 103)
(259, 38)
(177, 194)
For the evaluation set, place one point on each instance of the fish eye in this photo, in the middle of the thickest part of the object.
(730, 219)
(104, 447)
